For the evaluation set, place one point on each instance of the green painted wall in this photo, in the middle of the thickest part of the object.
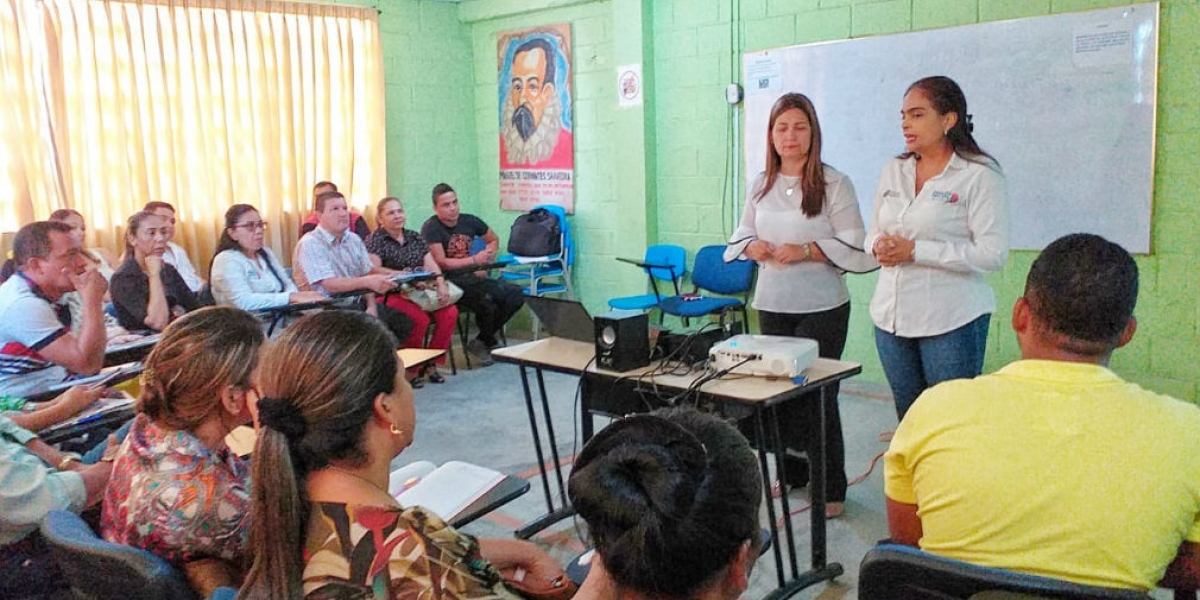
(430, 95)
(441, 70)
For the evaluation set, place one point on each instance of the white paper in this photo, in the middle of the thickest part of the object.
(629, 85)
(763, 74)
(1103, 44)
(448, 489)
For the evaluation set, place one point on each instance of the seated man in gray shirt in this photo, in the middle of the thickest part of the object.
(332, 259)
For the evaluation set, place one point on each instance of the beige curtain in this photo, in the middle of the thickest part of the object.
(200, 103)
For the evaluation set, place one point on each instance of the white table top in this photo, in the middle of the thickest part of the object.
(570, 356)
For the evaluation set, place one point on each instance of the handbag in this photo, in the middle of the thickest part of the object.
(535, 233)
(427, 298)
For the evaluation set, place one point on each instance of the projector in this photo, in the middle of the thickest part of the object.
(764, 355)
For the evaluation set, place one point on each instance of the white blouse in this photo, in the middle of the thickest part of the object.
(806, 286)
(960, 224)
(249, 284)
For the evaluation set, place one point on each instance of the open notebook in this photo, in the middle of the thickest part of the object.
(445, 490)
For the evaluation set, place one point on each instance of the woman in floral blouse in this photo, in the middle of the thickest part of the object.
(176, 489)
(335, 411)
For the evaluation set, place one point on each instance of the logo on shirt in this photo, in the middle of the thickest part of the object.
(946, 197)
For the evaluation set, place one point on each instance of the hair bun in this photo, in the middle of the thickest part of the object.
(280, 415)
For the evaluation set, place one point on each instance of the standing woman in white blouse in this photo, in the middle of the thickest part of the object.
(800, 215)
(246, 274)
(940, 225)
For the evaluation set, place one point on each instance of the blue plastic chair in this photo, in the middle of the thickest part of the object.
(532, 273)
(663, 262)
(711, 273)
(100, 570)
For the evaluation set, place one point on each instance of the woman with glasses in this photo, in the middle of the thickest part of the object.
(246, 274)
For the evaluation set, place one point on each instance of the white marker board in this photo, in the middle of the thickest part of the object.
(1065, 102)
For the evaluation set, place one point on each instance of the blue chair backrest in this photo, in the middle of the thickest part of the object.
(895, 572)
(712, 273)
(568, 240)
(667, 254)
(477, 245)
(101, 570)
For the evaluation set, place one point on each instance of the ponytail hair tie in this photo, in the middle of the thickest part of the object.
(970, 125)
(281, 415)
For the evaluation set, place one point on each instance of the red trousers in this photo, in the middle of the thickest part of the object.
(443, 320)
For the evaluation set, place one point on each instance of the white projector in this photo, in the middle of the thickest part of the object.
(764, 355)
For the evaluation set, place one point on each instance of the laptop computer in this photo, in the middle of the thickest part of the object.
(563, 318)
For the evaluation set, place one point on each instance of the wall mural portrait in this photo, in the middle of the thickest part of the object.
(537, 159)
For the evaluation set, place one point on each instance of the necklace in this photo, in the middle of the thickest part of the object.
(791, 188)
(360, 478)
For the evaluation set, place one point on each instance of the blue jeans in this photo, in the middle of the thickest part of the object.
(914, 364)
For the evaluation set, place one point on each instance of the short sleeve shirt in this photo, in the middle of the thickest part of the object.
(130, 289)
(29, 488)
(455, 241)
(320, 256)
(397, 255)
(28, 323)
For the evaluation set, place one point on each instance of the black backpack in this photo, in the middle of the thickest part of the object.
(535, 233)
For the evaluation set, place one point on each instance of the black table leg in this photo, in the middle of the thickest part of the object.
(553, 514)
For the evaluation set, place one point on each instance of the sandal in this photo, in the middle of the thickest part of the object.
(436, 377)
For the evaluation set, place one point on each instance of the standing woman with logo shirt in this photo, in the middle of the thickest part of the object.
(940, 225)
(800, 219)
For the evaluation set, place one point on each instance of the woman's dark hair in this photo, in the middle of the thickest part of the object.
(947, 97)
(63, 214)
(226, 242)
(318, 384)
(200, 354)
(132, 227)
(812, 180)
(669, 498)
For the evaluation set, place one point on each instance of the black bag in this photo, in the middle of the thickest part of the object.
(535, 233)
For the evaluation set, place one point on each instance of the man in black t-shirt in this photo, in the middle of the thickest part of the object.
(450, 235)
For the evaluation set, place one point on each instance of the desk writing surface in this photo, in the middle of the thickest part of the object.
(412, 357)
(570, 356)
(556, 354)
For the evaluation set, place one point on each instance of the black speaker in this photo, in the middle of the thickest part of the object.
(622, 340)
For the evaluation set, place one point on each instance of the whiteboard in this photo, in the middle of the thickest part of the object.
(1065, 102)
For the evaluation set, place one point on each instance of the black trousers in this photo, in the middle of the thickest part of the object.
(798, 420)
(397, 322)
(494, 302)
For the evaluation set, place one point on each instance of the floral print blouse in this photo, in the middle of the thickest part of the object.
(356, 552)
(171, 495)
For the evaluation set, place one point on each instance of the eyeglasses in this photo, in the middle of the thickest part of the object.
(252, 225)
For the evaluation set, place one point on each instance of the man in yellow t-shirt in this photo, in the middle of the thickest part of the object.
(1053, 465)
